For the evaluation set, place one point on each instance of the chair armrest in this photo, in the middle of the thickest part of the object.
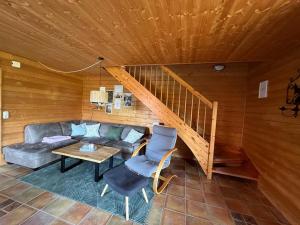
(136, 151)
(158, 170)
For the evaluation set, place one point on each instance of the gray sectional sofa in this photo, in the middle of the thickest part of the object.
(34, 154)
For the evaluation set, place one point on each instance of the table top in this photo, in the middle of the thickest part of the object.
(101, 154)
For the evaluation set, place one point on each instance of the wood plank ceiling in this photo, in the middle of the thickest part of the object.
(68, 34)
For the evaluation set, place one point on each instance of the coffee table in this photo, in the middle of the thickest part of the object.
(100, 155)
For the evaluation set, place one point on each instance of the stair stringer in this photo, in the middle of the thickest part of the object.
(198, 145)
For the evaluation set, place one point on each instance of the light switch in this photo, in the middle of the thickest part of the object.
(5, 115)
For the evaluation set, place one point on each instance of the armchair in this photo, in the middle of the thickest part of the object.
(158, 154)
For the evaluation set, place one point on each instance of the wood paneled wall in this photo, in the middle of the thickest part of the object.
(228, 87)
(272, 140)
(33, 95)
(136, 115)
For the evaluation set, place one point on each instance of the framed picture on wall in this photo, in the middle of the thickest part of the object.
(127, 99)
(108, 108)
(110, 97)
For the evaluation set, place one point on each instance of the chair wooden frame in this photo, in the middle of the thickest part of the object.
(156, 175)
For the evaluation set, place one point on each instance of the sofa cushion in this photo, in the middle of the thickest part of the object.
(127, 129)
(66, 127)
(92, 130)
(114, 133)
(133, 136)
(34, 133)
(78, 130)
(95, 140)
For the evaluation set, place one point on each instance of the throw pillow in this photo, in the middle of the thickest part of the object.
(114, 133)
(78, 130)
(133, 136)
(92, 130)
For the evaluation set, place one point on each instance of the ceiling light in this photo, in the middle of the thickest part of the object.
(219, 67)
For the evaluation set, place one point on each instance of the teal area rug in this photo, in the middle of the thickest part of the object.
(78, 184)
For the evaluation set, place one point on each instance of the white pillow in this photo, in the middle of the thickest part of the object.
(92, 130)
(133, 136)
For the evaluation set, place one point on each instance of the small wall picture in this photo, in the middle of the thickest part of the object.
(127, 99)
(118, 95)
(117, 103)
(108, 108)
(110, 97)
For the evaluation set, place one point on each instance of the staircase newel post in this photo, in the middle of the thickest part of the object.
(212, 140)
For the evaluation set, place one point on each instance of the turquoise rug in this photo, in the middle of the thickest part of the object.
(78, 184)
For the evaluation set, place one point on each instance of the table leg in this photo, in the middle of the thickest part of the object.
(63, 167)
(97, 176)
(111, 162)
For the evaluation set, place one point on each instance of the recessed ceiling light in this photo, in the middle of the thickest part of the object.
(219, 67)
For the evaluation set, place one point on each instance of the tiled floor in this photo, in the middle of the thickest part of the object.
(191, 199)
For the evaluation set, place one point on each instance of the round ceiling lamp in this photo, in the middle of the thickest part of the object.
(219, 67)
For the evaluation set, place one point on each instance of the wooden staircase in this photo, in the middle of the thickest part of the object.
(177, 104)
(233, 163)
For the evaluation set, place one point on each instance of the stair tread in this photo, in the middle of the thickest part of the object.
(228, 157)
(244, 171)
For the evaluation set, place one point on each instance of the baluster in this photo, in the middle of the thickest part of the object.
(150, 78)
(173, 95)
(192, 110)
(161, 88)
(156, 68)
(185, 104)
(179, 100)
(134, 72)
(204, 122)
(199, 102)
(167, 101)
(145, 77)
(140, 74)
(129, 70)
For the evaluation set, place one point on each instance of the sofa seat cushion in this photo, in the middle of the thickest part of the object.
(66, 127)
(78, 138)
(95, 140)
(30, 155)
(64, 143)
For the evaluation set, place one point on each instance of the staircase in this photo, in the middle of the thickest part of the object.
(177, 104)
(233, 162)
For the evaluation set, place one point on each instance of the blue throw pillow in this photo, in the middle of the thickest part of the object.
(92, 130)
(78, 130)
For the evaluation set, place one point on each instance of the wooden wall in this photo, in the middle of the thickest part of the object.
(33, 95)
(228, 87)
(136, 115)
(272, 140)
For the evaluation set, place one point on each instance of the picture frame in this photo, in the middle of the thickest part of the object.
(110, 94)
(108, 108)
(128, 100)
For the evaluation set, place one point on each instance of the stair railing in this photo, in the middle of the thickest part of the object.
(182, 99)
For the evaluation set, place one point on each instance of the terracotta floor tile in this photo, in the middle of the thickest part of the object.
(197, 221)
(177, 190)
(172, 218)
(17, 216)
(96, 217)
(12, 207)
(59, 222)
(178, 181)
(193, 182)
(42, 200)
(16, 189)
(197, 209)
(214, 200)
(211, 188)
(266, 222)
(59, 206)
(229, 192)
(39, 218)
(155, 216)
(2, 213)
(8, 183)
(115, 220)
(18, 172)
(5, 203)
(194, 194)
(237, 206)
(175, 203)
(262, 212)
(28, 195)
(220, 216)
(76, 213)
(3, 199)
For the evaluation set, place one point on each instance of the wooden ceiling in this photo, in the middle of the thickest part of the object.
(68, 34)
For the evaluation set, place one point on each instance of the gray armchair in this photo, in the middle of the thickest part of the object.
(157, 157)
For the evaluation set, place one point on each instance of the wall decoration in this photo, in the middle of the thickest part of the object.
(118, 88)
(292, 101)
(127, 99)
(110, 97)
(263, 89)
(108, 108)
(117, 103)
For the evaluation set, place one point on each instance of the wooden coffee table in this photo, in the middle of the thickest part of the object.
(100, 155)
